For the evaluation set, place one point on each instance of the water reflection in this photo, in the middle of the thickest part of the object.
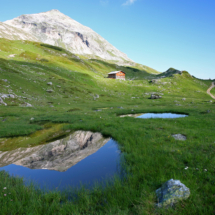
(155, 115)
(161, 115)
(94, 159)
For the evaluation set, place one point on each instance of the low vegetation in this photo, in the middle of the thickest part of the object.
(151, 156)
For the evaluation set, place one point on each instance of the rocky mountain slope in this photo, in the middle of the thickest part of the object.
(55, 28)
(13, 33)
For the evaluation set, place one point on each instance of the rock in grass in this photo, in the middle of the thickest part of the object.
(155, 96)
(179, 137)
(28, 105)
(2, 102)
(49, 83)
(171, 192)
(49, 91)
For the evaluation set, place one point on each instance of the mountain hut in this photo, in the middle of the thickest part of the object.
(117, 75)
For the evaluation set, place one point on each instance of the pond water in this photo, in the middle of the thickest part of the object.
(155, 115)
(161, 115)
(88, 169)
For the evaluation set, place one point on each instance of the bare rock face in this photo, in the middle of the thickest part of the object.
(57, 29)
(59, 155)
(13, 33)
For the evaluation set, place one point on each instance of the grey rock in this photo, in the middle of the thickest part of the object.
(155, 96)
(96, 96)
(7, 96)
(171, 192)
(58, 86)
(179, 137)
(28, 105)
(5, 80)
(183, 99)
(154, 81)
(50, 91)
(49, 83)
(2, 102)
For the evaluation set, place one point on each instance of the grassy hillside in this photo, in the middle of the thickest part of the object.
(79, 87)
(213, 91)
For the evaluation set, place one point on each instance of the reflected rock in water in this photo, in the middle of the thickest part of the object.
(59, 155)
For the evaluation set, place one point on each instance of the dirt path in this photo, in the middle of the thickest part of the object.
(209, 89)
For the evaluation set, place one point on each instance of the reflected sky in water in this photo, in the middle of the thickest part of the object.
(161, 115)
(103, 164)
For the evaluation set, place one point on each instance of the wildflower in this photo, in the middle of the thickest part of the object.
(186, 167)
(11, 200)
(5, 188)
(5, 194)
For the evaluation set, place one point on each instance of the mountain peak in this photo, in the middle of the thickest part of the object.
(55, 28)
(53, 11)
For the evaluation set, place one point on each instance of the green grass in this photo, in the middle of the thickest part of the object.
(213, 91)
(151, 155)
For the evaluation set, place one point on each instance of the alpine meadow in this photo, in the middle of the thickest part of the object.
(54, 82)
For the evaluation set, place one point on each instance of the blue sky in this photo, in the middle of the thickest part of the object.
(156, 33)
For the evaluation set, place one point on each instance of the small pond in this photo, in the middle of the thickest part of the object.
(59, 164)
(155, 115)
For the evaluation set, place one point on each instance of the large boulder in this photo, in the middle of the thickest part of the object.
(171, 192)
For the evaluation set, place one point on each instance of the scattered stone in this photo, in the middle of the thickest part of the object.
(49, 83)
(12, 55)
(96, 96)
(58, 86)
(179, 137)
(208, 111)
(7, 96)
(2, 102)
(153, 81)
(155, 96)
(183, 99)
(28, 105)
(171, 192)
(120, 107)
(32, 119)
(5, 80)
(50, 91)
